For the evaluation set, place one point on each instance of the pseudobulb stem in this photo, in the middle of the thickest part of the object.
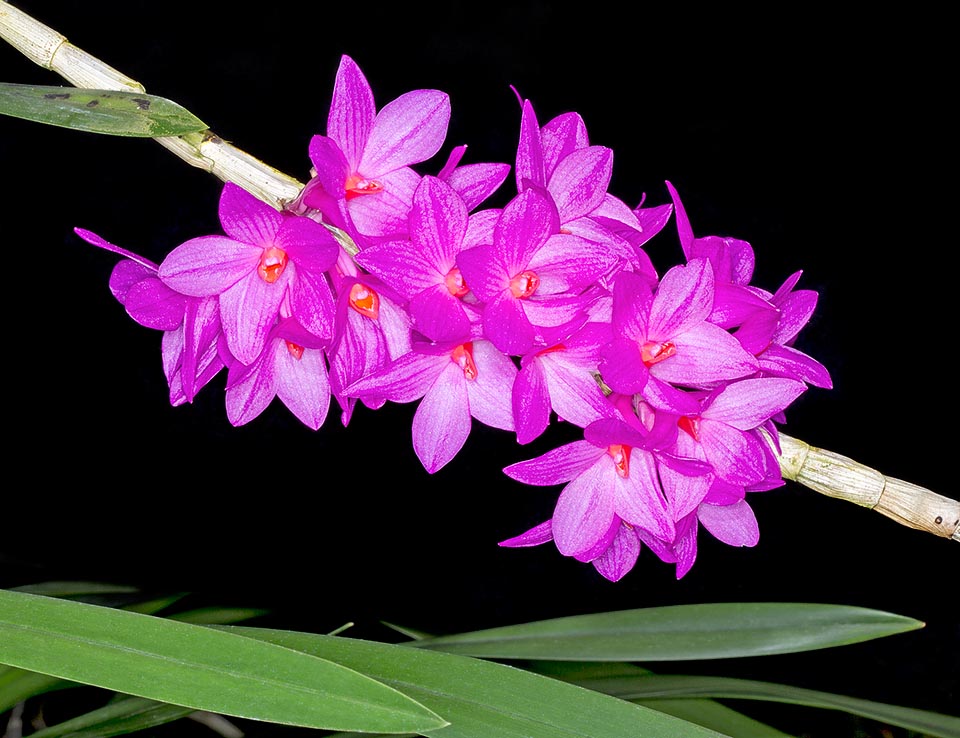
(838, 476)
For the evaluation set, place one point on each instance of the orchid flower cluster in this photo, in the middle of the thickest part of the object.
(380, 284)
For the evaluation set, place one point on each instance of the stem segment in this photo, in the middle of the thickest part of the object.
(822, 471)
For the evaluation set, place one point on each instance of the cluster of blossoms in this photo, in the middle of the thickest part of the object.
(383, 284)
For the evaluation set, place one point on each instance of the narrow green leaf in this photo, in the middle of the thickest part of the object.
(117, 718)
(679, 633)
(483, 699)
(17, 685)
(680, 686)
(98, 111)
(703, 712)
(218, 615)
(73, 588)
(713, 715)
(197, 667)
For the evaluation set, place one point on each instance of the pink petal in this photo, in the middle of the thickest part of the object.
(734, 524)
(442, 423)
(408, 130)
(247, 219)
(584, 511)
(208, 265)
(352, 111)
(557, 466)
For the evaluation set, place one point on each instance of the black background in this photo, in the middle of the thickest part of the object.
(822, 139)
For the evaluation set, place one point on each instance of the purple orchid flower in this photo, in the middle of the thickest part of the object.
(610, 477)
(559, 159)
(424, 269)
(364, 182)
(191, 326)
(663, 338)
(292, 367)
(265, 257)
(532, 276)
(454, 382)
(724, 428)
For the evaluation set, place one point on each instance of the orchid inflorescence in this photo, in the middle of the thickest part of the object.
(380, 284)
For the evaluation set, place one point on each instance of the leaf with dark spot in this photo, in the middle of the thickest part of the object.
(98, 111)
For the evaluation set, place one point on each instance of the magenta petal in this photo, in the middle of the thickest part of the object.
(439, 315)
(491, 392)
(584, 511)
(683, 299)
(621, 555)
(557, 466)
(248, 311)
(507, 326)
(303, 385)
(737, 457)
(622, 367)
(568, 263)
(785, 361)
(748, 403)
(408, 130)
(579, 182)
(247, 219)
(639, 499)
(311, 301)
(352, 110)
(154, 305)
(542, 533)
(246, 399)
(705, 353)
(438, 221)
(525, 224)
(529, 161)
(684, 491)
(561, 136)
(442, 421)
(406, 379)
(531, 403)
(125, 274)
(208, 265)
(735, 525)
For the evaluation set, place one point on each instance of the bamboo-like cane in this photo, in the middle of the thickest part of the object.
(821, 471)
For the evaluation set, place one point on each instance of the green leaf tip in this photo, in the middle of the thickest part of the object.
(109, 112)
(198, 667)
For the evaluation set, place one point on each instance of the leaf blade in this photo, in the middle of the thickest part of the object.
(110, 112)
(675, 686)
(679, 633)
(483, 699)
(197, 667)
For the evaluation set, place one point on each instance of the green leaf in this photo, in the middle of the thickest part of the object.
(197, 667)
(17, 685)
(73, 588)
(218, 615)
(680, 686)
(703, 712)
(117, 718)
(713, 715)
(680, 632)
(98, 111)
(482, 699)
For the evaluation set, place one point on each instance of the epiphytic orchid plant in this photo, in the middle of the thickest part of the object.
(378, 282)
